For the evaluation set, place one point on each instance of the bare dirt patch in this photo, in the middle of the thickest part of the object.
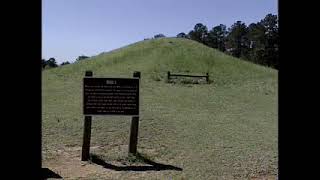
(67, 163)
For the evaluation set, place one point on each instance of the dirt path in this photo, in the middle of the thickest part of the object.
(67, 164)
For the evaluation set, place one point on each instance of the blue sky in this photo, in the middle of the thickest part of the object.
(71, 28)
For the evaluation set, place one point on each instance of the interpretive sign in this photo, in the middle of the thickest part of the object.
(110, 96)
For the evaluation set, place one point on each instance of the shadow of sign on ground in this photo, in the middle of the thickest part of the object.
(47, 173)
(154, 166)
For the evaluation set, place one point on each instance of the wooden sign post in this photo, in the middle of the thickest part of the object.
(86, 138)
(110, 96)
(86, 131)
(134, 128)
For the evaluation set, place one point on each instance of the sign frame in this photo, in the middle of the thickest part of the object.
(133, 138)
(113, 78)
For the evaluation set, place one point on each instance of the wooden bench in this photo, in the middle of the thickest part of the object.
(184, 75)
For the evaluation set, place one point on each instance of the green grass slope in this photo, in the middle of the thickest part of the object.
(226, 129)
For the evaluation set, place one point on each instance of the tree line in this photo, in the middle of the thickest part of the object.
(258, 42)
(52, 63)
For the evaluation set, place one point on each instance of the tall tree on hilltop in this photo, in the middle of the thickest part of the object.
(159, 36)
(65, 63)
(270, 23)
(216, 37)
(82, 57)
(52, 63)
(199, 33)
(237, 40)
(256, 36)
(182, 35)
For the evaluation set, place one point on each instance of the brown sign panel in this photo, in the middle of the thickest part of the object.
(110, 96)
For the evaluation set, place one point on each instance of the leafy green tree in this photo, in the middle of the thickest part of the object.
(65, 63)
(271, 56)
(159, 36)
(182, 35)
(82, 58)
(217, 36)
(51, 63)
(237, 40)
(199, 33)
(257, 39)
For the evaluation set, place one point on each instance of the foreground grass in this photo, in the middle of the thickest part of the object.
(227, 129)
